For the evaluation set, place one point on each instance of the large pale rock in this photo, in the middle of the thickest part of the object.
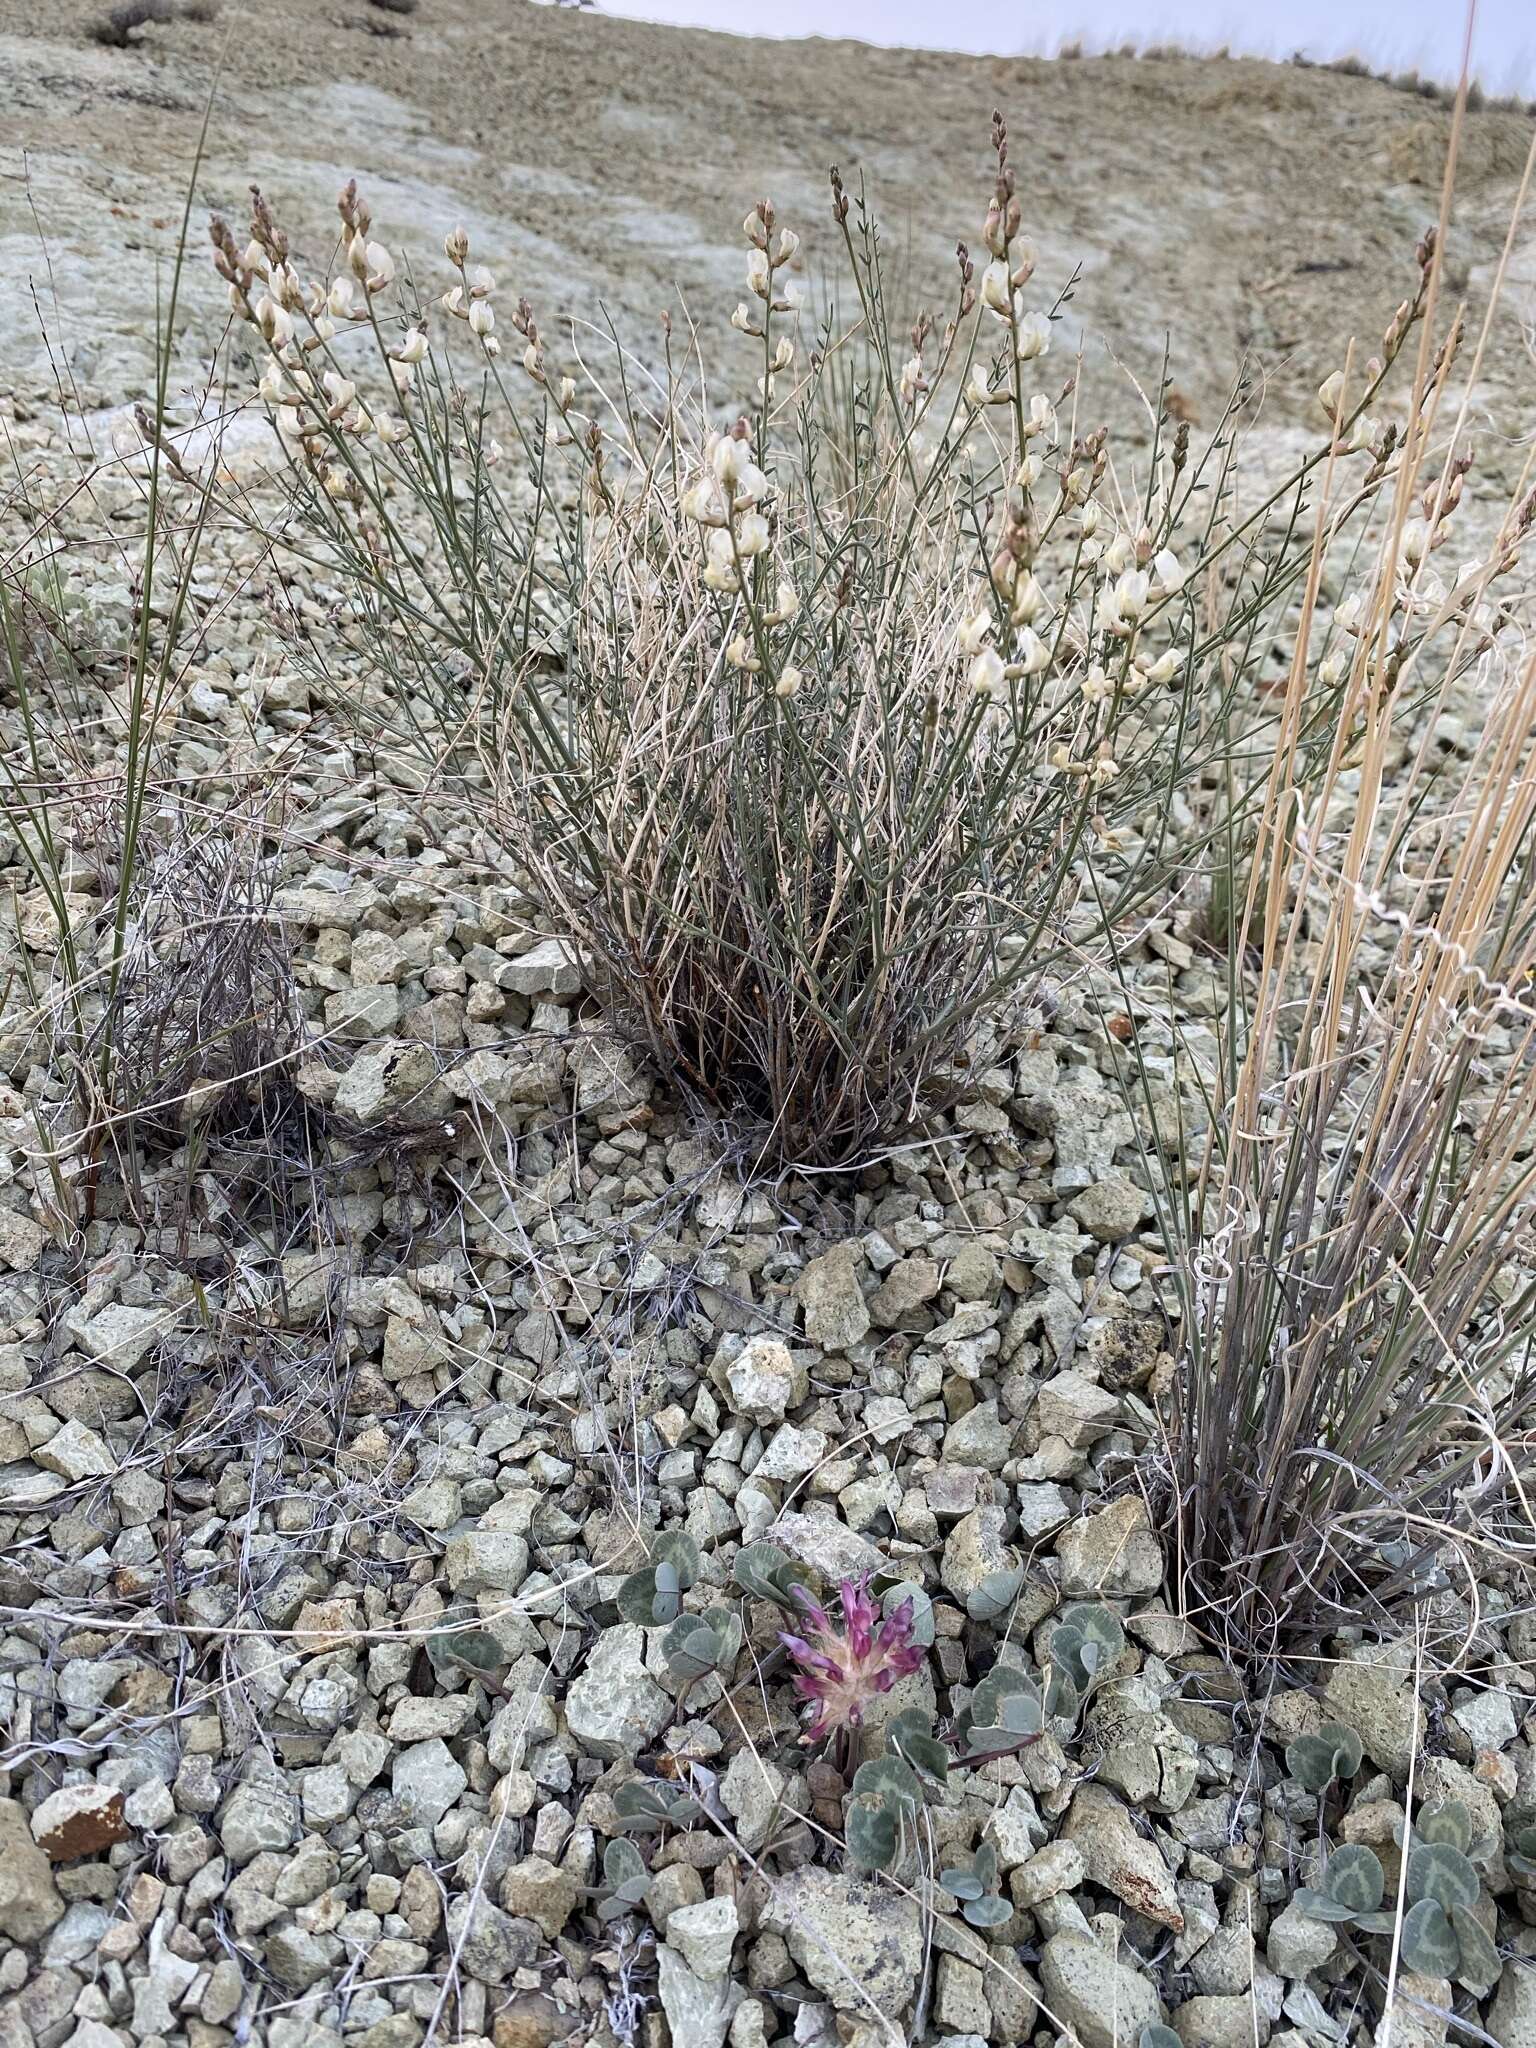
(858, 1943)
(1373, 1692)
(1111, 1553)
(1103, 2000)
(30, 1903)
(615, 1707)
(698, 2009)
(763, 1381)
(1512, 2016)
(832, 1300)
(1119, 1860)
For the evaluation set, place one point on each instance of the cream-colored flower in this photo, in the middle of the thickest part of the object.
(1097, 687)
(974, 631)
(996, 291)
(1167, 665)
(1168, 572)
(1033, 337)
(751, 534)
(976, 394)
(275, 322)
(1028, 601)
(1031, 654)
(788, 685)
(1041, 418)
(413, 348)
(705, 501)
(987, 672)
(786, 603)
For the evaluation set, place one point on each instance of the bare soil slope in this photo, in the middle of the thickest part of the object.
(603, 165)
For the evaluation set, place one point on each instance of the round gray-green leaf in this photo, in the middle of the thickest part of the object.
(1429, 1943)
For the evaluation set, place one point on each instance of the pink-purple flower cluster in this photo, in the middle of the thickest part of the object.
(842, 1665)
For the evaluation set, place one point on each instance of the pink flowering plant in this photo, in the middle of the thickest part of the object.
(845, 1662)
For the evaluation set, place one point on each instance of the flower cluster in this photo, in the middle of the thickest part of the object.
(768, 261)
(843, 1664)
(297, 324)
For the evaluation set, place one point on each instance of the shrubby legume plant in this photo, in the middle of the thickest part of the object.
(804, 707)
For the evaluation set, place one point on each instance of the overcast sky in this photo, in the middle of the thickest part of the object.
(1391, 34)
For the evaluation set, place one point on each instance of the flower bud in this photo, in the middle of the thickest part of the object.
(1415, 540)
(784, 354)
(994, 286)
(1330, 394)
(456, 247)
(757, 272)
(752, 227)
(789, 682)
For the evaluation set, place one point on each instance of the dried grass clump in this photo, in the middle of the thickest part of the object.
(1356, 1254)
(204, 1017)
